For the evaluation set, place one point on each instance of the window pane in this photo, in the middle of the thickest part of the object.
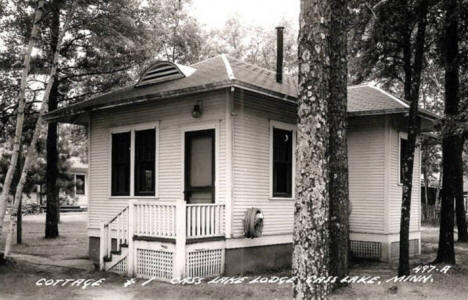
(121, 164)
(403, 146)
(145, 145)
(80, 184)
(282, 163)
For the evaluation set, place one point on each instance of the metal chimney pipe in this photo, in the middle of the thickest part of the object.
(279, 54)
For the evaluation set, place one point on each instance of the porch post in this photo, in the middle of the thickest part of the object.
(131, 231)
(102, 248)
(179, 270)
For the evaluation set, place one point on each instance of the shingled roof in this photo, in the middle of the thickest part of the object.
(224, 71)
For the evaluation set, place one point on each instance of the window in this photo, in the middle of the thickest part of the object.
(403, 146)
(144, 162)
(80, 184)
(133, 169)
(121, 164)
(282, 178)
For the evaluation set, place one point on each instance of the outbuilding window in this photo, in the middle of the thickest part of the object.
(121, 164)
(403, 147)
(282, 177)
(80, 184)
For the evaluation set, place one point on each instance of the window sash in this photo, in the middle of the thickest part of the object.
(145, 153)
(121, 164)
(282, 163)
(403, 148)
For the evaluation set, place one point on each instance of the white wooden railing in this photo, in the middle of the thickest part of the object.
(205, 220)
(155, 219)
(118, 229)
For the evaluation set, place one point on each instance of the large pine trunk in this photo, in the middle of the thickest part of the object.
(459, 201)
(311, 227)
(446, 251)
(338, 187)
(413, 81)
(53, 205)
(20, 113)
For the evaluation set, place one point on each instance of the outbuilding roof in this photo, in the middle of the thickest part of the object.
(223, 71)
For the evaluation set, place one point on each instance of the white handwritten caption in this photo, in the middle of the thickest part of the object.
(423, 274)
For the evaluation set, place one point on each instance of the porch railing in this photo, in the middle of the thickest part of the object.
(205, 220)
(155, 219)
(115, 229)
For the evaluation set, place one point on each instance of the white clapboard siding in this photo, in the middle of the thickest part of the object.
(173, 115)
(366, 154)
(396, 188)
(251, 154)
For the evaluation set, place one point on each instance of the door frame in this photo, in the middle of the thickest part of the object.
(199, 127)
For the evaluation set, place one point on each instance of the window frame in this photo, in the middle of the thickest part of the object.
(289, 127)
(132, 129)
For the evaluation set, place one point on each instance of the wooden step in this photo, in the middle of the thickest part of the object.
(108, 258)
(117, 252)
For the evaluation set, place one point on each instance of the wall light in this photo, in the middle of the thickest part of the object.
(197, 112)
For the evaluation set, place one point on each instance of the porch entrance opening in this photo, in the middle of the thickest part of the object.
(200, 166)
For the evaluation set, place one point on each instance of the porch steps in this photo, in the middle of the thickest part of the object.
(117, 260)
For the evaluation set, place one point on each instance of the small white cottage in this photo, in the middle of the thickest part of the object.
(178, 161)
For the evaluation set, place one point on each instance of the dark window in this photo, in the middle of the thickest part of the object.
(121, 164)
(145, 146)
(282, 163)
(403, 146)
(80, 184)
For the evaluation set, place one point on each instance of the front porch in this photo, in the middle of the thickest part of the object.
(164, 240)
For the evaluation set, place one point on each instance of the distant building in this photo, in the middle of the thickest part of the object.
(79, 170)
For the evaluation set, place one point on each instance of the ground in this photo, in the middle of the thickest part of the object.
(66, 258)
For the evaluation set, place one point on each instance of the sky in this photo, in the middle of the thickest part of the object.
(265, 13)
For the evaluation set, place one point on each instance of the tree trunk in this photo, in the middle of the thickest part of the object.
(446, 251)
(37, 131)
(338, 186)
(52, 206)
(413, 132)
(311, 228)
(19, 223)
(459, 201)
(20, 113)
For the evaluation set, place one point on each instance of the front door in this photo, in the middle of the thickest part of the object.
(200, 166)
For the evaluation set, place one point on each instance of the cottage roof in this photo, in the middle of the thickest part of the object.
(223, 71)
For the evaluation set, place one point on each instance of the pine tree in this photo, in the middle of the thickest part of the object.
(311, 224)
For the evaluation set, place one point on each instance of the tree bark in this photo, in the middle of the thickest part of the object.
(52, 206)
(311, 227)
(459, 201)
(413, 132)
(446, 251)
(20, 113)
(338, 187)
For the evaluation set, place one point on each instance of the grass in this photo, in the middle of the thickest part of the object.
(20, 277)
